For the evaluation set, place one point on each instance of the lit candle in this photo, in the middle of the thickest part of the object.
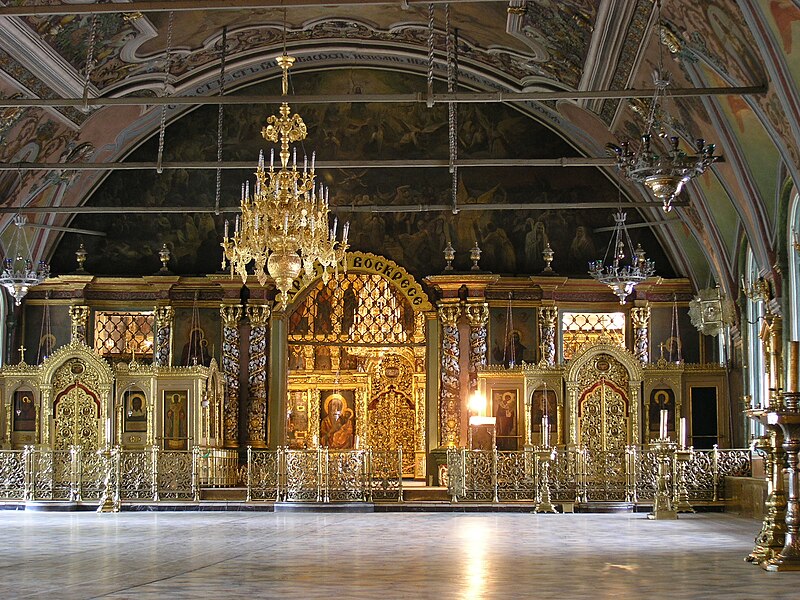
(226, 229)
(546, 431)
(236, 228)
(682, 430)
(662, 428)
(345, 232)
(261, 159)
(313, 160)
(271, 158)
(792, 367)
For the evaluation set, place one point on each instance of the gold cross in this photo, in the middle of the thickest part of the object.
(22, 354)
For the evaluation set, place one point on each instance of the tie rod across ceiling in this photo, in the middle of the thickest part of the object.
(409, 98)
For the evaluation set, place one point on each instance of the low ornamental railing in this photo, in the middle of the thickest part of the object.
(580, 475)
(324, 475)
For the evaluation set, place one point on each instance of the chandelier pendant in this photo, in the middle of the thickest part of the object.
(283, 229)
(622, 278)
(19, 274)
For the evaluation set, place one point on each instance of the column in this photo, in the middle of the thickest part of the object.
(449, 389)
(79, 318)
(162, 357)
(257, 376)
(641, 333)
(547, 334)
(278, 379)
(231, 313)
(477, 317)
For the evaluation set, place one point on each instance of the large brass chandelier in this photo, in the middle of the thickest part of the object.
(663, 167)
(19, 273)
(284, 223)
(620, 275)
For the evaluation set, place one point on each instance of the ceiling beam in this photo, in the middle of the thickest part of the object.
(209, 5)
(371, 208)
(328, 164)
(411, 98)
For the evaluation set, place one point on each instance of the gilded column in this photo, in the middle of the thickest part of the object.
(477, 317)
(547, 334)
(164, 316)
(257, 376)
(231, 313)
(449, 390)
(79, 319)
(641, 333)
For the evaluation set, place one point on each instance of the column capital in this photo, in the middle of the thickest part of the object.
(477, 314)
(258, 314)
(449, 313)
(230, 313)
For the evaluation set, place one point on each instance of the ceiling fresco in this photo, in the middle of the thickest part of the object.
(510, 46)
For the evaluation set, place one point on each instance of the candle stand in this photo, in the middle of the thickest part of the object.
(662, 503)
(772, 536)
(109, 500)
(544, 456)
(682, 458)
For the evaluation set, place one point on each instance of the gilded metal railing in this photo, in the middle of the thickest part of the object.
(581, 475)
(12, 475)
(322, 475)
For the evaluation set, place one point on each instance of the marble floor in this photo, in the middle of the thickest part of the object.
(396, 555)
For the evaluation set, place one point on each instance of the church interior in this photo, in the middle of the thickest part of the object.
(507, 256)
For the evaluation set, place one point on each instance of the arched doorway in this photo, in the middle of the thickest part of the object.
(603, 417)
(77, 419)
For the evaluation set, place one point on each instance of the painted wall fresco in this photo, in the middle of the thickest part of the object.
(511, 240)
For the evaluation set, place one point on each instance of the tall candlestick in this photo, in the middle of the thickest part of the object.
(662, 427)
(546, 431)
(682, 430)
(792, 367)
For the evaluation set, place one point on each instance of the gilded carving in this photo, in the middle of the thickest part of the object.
(231, 313)
(450, 398)
(477, 317)
(257, 369)
(391, 418)
(547, 334)
(79, 318)
(641, 333)
(164, 316)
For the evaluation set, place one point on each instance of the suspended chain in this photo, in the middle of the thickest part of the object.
(89, 60)
(452, 107)
(430, 54)
(220, 114)
(507, 344)
(167, 70)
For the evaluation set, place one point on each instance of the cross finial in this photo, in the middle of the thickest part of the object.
(22, 354)
(661, 347)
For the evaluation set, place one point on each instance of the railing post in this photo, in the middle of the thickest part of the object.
(75, 484)
(27, 460)
(399, 473)
(319, 474)
(630, 474)
(715, 472)
(495, 483)
(280, 475)
(196, 473)
(154, 472)
(249, 474)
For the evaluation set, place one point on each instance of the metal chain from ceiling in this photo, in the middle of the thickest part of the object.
(167, 70)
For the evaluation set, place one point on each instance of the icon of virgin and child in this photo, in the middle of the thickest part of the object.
(337, 427)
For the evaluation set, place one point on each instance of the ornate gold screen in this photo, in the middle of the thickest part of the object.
(76, 419)
(579, 330)
(603, 421)
(391, 410)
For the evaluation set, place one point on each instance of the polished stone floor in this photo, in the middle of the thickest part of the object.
(398, 555)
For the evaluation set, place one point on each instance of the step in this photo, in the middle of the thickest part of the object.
(426, 494)
(225, 494)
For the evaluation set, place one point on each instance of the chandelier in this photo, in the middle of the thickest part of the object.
(664, 169)
(620, 277)
(18, 273)
(284, 223)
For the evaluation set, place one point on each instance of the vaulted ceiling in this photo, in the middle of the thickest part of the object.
(57, 110)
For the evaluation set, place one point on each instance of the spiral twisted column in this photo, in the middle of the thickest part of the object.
(450, 388)
(477, 316)
(231, 313)
(641, 333)
(164, 317)
(79, 319)
(547, 334)
(257, 369)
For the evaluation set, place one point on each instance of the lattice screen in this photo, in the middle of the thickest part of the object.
(122, 333)
(354, 309)
(581, 329)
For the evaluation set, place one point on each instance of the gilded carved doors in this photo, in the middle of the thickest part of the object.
(77, 419)
(391, 413)
(603, 417)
